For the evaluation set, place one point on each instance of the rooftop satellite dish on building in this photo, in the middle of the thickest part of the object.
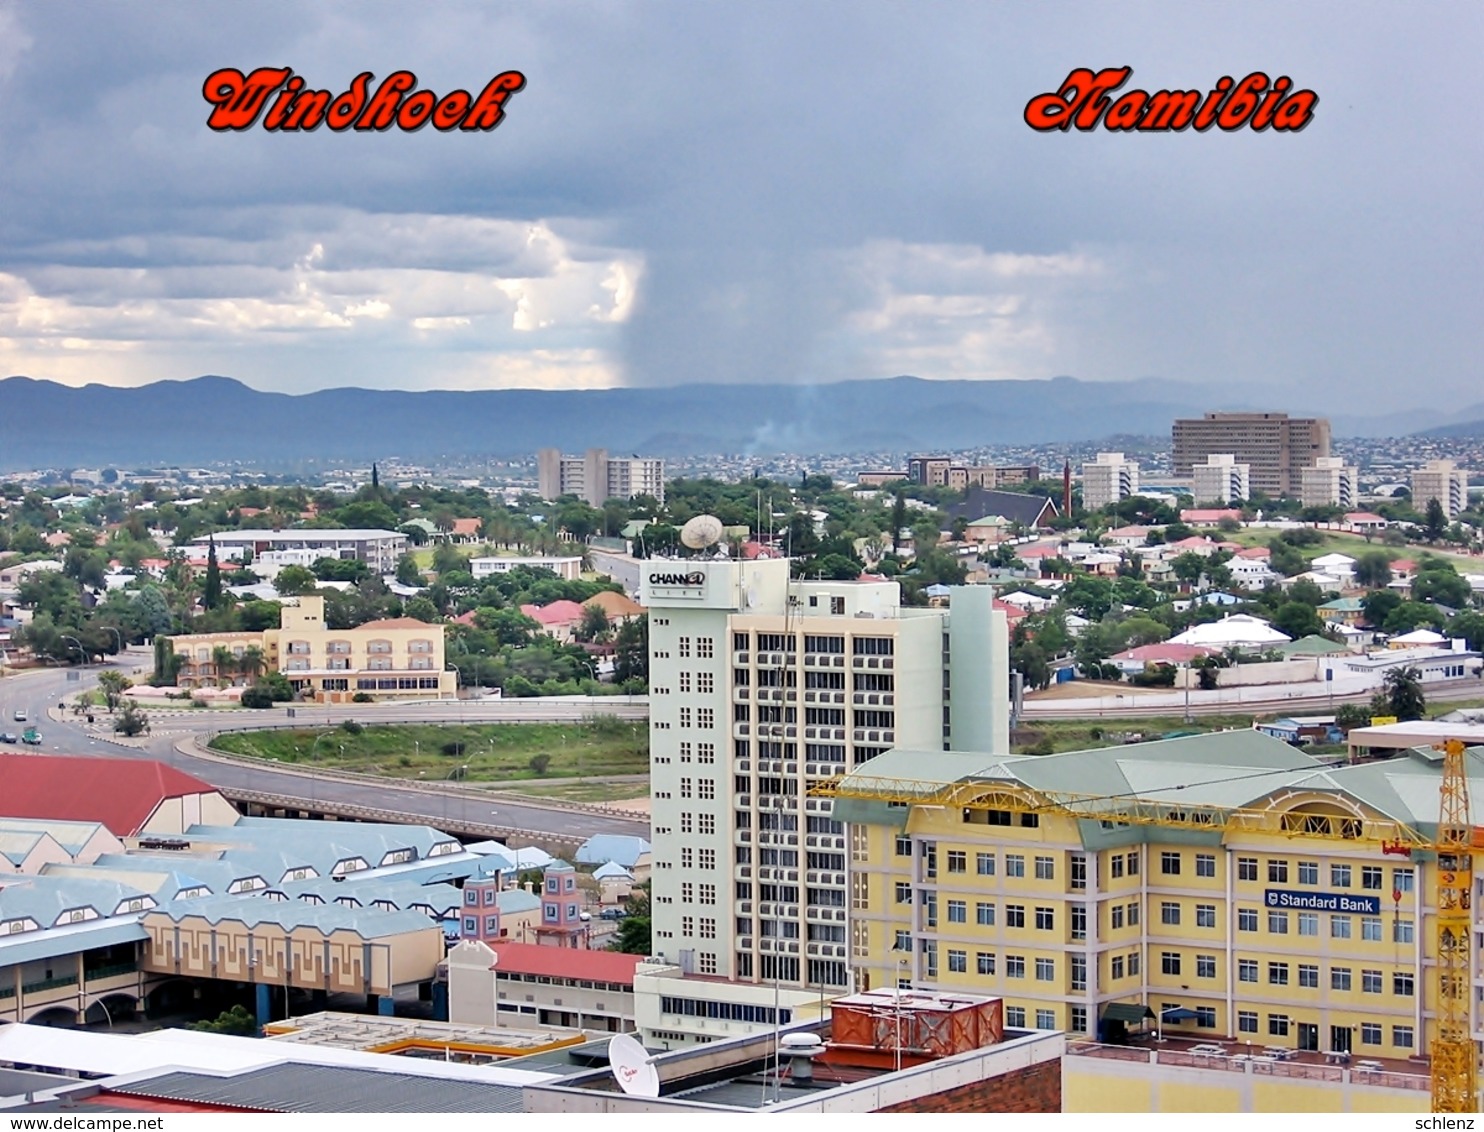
(701, 532)
(631, 1066)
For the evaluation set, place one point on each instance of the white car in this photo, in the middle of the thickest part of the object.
(20, 715)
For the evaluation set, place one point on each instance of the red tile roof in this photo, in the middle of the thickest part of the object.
(395, 623)
(466, 526)
(562, 612)
(566, 962)
(1163, 653)
(1208, 515)
(122, 794)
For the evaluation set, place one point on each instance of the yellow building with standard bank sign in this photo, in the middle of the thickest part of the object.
(1273, 935)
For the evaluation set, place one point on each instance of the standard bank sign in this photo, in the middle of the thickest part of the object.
(1324, 902)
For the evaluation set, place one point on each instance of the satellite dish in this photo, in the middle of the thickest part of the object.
(701, 532)
(632, 1069)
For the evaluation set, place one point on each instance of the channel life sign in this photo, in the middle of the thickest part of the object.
(1323, 902)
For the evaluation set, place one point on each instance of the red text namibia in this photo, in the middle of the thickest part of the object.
(1085, 100)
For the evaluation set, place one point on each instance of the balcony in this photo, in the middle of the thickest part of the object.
(97, 974)
(49, 984)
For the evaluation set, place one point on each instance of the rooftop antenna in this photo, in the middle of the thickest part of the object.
(701, 532)
(632, 1067)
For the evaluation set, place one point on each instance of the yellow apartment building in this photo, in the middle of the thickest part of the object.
(1269, 934)
(397, 658)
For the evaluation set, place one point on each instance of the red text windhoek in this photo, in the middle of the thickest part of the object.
(1084, 101)
(239, 99)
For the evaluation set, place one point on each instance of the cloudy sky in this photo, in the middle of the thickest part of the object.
(743, 192)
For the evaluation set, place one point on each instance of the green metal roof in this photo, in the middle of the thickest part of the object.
(1224, 770)
(1311, 645)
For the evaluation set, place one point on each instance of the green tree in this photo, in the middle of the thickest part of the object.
(631, 657)
(1470, 627)
(1404, 696)
(408, 573)
(1435, 520)
(1377, 606)
(1438, 581)
(112, 684)
(251, 663)
(211, 592)
(295, 581)
(1410, 615)
(898, 521)
(1298, 619)
(1373, 569)
(131, 721)
(634, 932)
(235, 1021)
(594, 624)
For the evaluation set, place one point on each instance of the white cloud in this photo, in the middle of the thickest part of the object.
(959, 311)
(521, 296)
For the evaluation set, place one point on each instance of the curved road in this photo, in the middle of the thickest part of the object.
(35, 692)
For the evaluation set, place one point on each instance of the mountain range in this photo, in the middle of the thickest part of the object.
(218, 419)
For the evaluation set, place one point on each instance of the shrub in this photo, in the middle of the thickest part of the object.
(404, 760)
(539, 763)
(257, 697)
(453, 748)
(363, 698)
(351, 727)
(1042, 746)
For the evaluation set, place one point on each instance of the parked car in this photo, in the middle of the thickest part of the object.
(612, 914)
(8, 737)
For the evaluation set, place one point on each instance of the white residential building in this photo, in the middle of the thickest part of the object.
(1221, 480)
(760, 689)
(1108, 479)
(1444, 481)
(568, 568)
(1330, 482)
(379, 549)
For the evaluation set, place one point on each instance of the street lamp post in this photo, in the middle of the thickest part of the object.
(81, 651)
(314, 763)
(117, 634)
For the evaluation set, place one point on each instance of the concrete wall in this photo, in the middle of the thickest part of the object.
(1102, 1084)
(1265, 672)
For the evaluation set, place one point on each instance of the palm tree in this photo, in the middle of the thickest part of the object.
(223, 660)
(251, 663)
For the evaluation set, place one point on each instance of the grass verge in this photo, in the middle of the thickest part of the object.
(498, 752)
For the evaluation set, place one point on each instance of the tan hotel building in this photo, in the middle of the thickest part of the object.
(398, 658)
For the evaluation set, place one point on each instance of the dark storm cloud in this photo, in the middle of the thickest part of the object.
(749, 192)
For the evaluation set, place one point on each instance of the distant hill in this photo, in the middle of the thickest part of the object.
(211, 419)
(1471, 429)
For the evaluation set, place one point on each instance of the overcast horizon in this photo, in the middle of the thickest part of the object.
(767, 192)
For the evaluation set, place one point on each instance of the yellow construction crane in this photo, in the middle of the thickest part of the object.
(1454, 1056)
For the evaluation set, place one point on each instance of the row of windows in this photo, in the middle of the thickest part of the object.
(1340, 978)
(705, 648)
(1372, 877)
(1172, 863)
(1402, 1037)
(1340, 926)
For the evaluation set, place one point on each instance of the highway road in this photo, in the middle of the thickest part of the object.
(36, 691)
(1283, 699)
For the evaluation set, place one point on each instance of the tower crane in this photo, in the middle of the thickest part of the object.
(1454, 1055)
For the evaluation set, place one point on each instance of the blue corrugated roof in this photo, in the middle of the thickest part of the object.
(604, 847)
